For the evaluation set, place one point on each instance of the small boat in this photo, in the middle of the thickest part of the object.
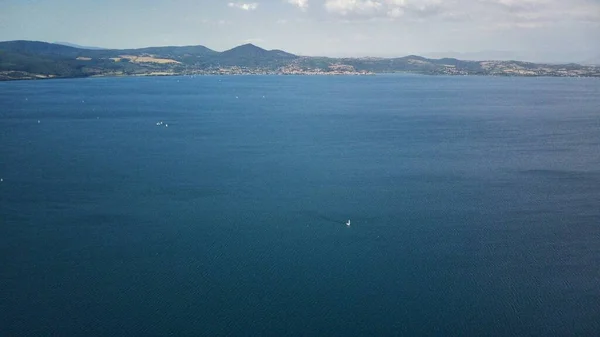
(348, 223)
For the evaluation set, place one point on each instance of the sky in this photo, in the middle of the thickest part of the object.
(533, 30)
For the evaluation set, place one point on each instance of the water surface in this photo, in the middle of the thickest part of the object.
(473, 200)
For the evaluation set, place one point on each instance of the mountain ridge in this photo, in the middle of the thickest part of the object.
(21, 59)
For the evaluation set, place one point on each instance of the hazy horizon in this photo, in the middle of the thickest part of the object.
(530, 30)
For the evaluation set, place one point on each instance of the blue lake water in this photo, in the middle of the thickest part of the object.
(474, 201)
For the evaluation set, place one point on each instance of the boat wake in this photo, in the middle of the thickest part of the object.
(325, 218)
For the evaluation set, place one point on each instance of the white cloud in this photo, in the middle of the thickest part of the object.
(540, 13)
(255, 40)
(382, 8)
(302, 4)
(523, 13)
(353, 7)
(395, 12)
(243, 6)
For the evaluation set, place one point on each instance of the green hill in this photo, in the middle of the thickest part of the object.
(249, 55)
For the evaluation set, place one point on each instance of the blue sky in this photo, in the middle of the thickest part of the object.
(538, 30)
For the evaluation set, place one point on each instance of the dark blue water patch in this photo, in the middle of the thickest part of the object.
(473, 204)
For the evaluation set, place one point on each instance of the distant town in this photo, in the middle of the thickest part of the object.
(335, 69)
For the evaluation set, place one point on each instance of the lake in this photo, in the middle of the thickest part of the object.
(217, 205)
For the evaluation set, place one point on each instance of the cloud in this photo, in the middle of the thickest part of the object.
(255, 40)
(243, 6)
(540, 13)
(383, 8)
(521, 13)
(302, 4)
(353, 7)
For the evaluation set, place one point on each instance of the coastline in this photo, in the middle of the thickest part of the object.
(41, 77)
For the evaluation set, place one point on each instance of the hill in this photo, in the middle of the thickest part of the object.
(34, 59)
(249, 55)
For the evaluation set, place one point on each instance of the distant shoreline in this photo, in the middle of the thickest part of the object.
(29, 60)
(287, 75)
